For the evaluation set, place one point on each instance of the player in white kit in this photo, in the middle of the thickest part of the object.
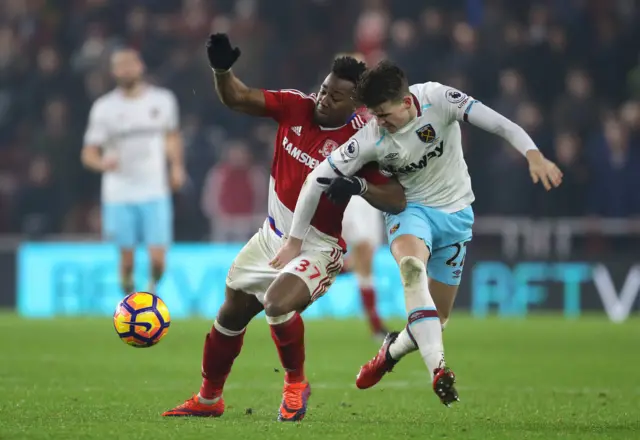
(132, 132)
(362, 229)
(415, 136)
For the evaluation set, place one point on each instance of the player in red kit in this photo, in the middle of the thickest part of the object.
(310, 127)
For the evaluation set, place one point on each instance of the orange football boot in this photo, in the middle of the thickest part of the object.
(193, 408)
(294, 402)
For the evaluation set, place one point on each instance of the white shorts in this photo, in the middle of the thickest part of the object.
(251, 273)
(362, 223)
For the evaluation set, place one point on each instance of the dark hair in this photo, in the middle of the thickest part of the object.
(348, 68)
(384, 82)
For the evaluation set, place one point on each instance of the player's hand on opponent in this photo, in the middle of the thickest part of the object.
(289, 250)
(220, 53)
(543, 170)
(340, 189)
(177, 176)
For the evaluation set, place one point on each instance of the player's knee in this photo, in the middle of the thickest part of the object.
(280, 319)
(233, 317)
(410, 270)
(274, 307)
(409, 245)
(288, 293)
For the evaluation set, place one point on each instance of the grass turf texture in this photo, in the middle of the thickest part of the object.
(543, 377)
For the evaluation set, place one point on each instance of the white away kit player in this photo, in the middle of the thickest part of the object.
(131, 135)
(415, 136)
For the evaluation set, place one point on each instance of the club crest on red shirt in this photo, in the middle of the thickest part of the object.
(328, 147)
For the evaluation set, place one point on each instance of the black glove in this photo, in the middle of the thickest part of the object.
(221, 55)
(340, 189)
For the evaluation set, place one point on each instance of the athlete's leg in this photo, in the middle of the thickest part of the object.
(302, 281)
(126, 270)
(224, 342)
(248, 278)
(447, 262)
(222, 346)
(444, 295)
(362, 230)
(119, 226)
(411, 253)
(157, 234)
(286, 298)
(361, 257)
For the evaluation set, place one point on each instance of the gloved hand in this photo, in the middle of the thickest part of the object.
(340, 189)
(221, 55)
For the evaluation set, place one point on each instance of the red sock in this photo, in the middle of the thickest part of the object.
(289, 338)
(220, 351)
(369, 302)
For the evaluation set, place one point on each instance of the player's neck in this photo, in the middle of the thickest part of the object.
(134, 91)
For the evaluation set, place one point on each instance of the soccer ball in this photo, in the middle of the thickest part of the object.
(141, 319)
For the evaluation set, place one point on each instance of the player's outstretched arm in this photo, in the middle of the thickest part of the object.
(457, 105)
(540, 168)
(232, 92)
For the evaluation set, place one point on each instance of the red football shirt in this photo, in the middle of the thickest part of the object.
(300, 146)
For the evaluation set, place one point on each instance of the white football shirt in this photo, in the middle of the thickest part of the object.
(134, 130)
(425, 155)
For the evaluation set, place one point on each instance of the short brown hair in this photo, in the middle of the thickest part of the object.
(384, 82)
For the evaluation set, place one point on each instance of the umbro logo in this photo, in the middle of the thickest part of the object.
(297, 130)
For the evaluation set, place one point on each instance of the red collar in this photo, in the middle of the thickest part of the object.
(417, 104)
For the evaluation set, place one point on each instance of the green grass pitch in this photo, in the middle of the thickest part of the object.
(543, 378)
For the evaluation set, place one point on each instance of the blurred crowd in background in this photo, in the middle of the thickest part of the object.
(567, 71)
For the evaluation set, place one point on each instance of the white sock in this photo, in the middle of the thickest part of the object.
(364, 282)
(402, 346)
(208, 401)
(424, 323)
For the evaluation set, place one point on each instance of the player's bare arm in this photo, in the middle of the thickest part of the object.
(232, 92)
(175, 156)
(96, 135)
(93, 159)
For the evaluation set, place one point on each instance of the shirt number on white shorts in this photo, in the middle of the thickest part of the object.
(304, 265)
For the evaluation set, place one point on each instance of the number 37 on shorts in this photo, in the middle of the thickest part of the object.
(317, 269)
(303, 266)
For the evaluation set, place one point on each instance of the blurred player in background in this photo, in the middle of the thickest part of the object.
(132, 132)
(309, 129)
(362, 230)
(415, 135)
